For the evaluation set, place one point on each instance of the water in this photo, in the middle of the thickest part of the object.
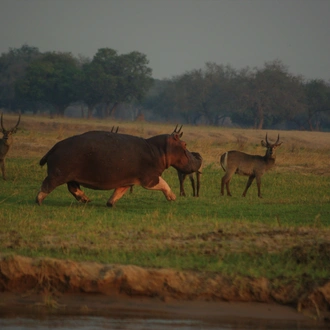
(145, 323)
(102, 312)
(85, 323)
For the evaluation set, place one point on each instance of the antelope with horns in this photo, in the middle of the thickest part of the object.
(196, 165)
(5, 143)
(253, 166)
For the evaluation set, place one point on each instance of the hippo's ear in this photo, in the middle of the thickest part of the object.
(177, 136)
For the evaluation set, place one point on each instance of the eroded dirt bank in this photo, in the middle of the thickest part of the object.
(51, 282)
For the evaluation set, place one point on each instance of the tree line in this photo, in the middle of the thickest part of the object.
(265, 97)
(52, 81)
(109, 83)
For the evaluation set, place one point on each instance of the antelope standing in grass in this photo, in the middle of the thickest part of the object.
(5, 143)
(182, 176)
(194, 167)
(253, 166)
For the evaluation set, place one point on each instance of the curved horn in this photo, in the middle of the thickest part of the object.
(278, 139)
(3, 129)
(176, 129)
(267, 139)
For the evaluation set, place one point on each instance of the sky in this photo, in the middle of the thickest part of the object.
(178, 35)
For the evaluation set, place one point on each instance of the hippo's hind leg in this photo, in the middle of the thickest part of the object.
(75, 190)
(47, 186)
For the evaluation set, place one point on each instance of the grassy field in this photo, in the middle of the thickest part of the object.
(283, 236)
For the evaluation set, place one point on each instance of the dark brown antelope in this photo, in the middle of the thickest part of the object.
(253, 166)
(196, 165)
(5, 143)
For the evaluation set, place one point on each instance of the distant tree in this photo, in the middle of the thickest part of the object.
(318, 103)
(103, 71)
(90, 92)
(13, 66)
(220, 81)
(115, 79)
(271, 94)
(52, 79)
(159, 99)
(134, 78)
(200, 95)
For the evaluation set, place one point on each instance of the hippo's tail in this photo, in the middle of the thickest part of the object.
(44, 159)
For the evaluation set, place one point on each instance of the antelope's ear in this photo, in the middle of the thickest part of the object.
(263, 143)
(279, 144)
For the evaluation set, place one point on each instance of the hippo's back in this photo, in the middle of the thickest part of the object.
(100, 159)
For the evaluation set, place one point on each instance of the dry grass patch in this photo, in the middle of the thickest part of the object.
(301, 150)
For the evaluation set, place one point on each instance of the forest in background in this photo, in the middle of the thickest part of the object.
(121, 86)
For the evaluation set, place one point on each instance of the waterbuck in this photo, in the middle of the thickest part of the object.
(254, 166)
(5, 143)
(193, 167)
(196, 165)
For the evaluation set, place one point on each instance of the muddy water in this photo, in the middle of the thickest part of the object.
(82, 311)
(149, 323)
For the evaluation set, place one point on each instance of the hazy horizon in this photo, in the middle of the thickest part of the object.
(178, 36)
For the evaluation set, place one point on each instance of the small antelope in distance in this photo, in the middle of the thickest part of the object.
(195, 165)
(254, 166)
(182, 176)
(5, 143)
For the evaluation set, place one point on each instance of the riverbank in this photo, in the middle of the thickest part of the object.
(46, 285)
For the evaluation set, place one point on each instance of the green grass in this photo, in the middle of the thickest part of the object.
(286, 234)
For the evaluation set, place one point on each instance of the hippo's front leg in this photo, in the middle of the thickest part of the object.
(162, 186)
(117, 194)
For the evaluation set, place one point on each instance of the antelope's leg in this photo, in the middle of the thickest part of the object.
(192, 181)
(117, 194)
(78, 194)
(198, 176)
(250, 180)
(181, 177)
(258, 179)
(3, 169)
(225, 181)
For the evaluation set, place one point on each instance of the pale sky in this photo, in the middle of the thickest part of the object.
(178, 35)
